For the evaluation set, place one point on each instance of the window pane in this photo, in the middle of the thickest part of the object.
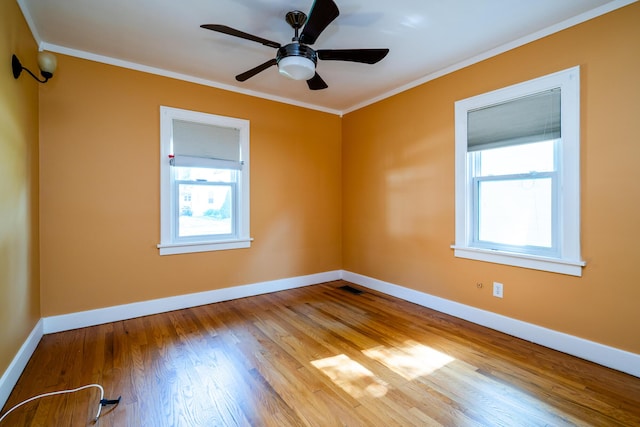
(205, 210)
(516, 212)
(204, 174)
(517, 159)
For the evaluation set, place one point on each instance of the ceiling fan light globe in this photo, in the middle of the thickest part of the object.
(297, 67)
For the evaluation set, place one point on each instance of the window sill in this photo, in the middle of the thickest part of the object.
(554, 265)
(191, 247)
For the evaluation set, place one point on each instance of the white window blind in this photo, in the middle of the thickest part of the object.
(532, 118)
(205, 146)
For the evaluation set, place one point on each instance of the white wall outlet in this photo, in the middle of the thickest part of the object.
(498, 290)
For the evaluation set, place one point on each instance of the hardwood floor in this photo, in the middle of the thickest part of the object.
(315, 356)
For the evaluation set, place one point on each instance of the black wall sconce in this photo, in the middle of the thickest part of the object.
(47, 63)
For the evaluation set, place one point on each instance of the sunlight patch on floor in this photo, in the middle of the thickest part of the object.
(410, 361)
(351, 376)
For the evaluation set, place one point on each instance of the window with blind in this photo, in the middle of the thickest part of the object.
(517, 175)
(204, 195)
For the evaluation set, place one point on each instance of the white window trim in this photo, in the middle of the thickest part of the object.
(167, 245)
(569, 261)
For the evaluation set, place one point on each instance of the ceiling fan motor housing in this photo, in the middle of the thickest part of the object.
(297, 49)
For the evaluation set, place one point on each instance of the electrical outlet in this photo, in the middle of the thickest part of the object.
(498, 290)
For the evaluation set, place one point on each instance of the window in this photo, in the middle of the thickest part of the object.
(204, 194)
(517, 175)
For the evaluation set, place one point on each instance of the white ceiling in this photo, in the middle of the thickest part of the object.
(426, 38)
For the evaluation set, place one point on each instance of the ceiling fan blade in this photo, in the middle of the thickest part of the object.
(316, 83)
(252, 72)
(367, 56)
(237, 33)
(321, 14)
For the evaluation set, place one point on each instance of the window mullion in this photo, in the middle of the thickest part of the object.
(472, 221)
(175, 206)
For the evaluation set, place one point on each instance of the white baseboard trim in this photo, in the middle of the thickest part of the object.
(65, 322)
(610, 357)
(17, 365)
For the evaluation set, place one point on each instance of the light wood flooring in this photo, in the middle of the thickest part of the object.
(315, 356)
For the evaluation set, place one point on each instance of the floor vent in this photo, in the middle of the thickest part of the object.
(350, 289)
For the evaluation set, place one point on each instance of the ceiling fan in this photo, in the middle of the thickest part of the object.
(297, 60)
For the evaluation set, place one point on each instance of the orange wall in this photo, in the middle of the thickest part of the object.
(398, 191)
(19, 286)
(100, 190)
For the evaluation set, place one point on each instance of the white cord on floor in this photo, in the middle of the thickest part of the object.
(60, 392)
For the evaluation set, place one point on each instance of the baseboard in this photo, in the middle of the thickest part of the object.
(99, 316)
(17, 365)
(610, 357)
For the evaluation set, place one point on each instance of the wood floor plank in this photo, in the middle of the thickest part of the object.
(315, 356)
